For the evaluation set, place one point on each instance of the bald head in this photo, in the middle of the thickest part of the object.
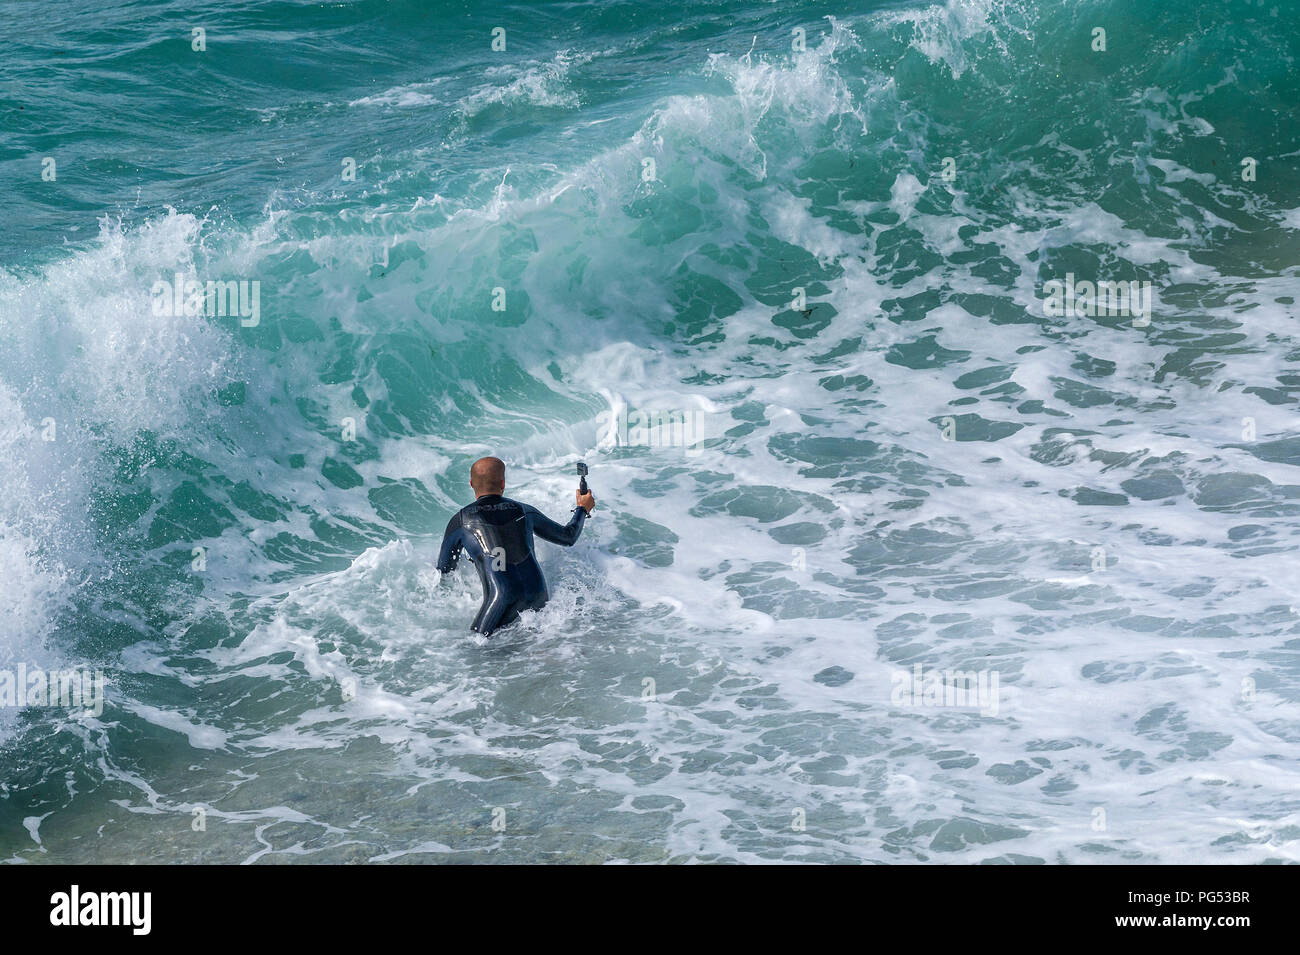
(488, 476)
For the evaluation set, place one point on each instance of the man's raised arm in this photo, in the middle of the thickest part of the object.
(564, 535)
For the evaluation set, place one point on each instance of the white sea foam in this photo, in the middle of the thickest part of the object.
(403, 97)
(538, 84)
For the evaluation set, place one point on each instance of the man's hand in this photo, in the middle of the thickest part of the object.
(585, 501)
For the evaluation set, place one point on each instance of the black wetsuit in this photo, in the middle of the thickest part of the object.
(497, 533)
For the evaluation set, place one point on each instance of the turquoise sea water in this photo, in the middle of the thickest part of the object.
(906, 464)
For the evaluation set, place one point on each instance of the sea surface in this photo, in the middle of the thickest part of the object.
(819, 237)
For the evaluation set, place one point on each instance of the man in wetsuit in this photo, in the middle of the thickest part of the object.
(497, 534)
